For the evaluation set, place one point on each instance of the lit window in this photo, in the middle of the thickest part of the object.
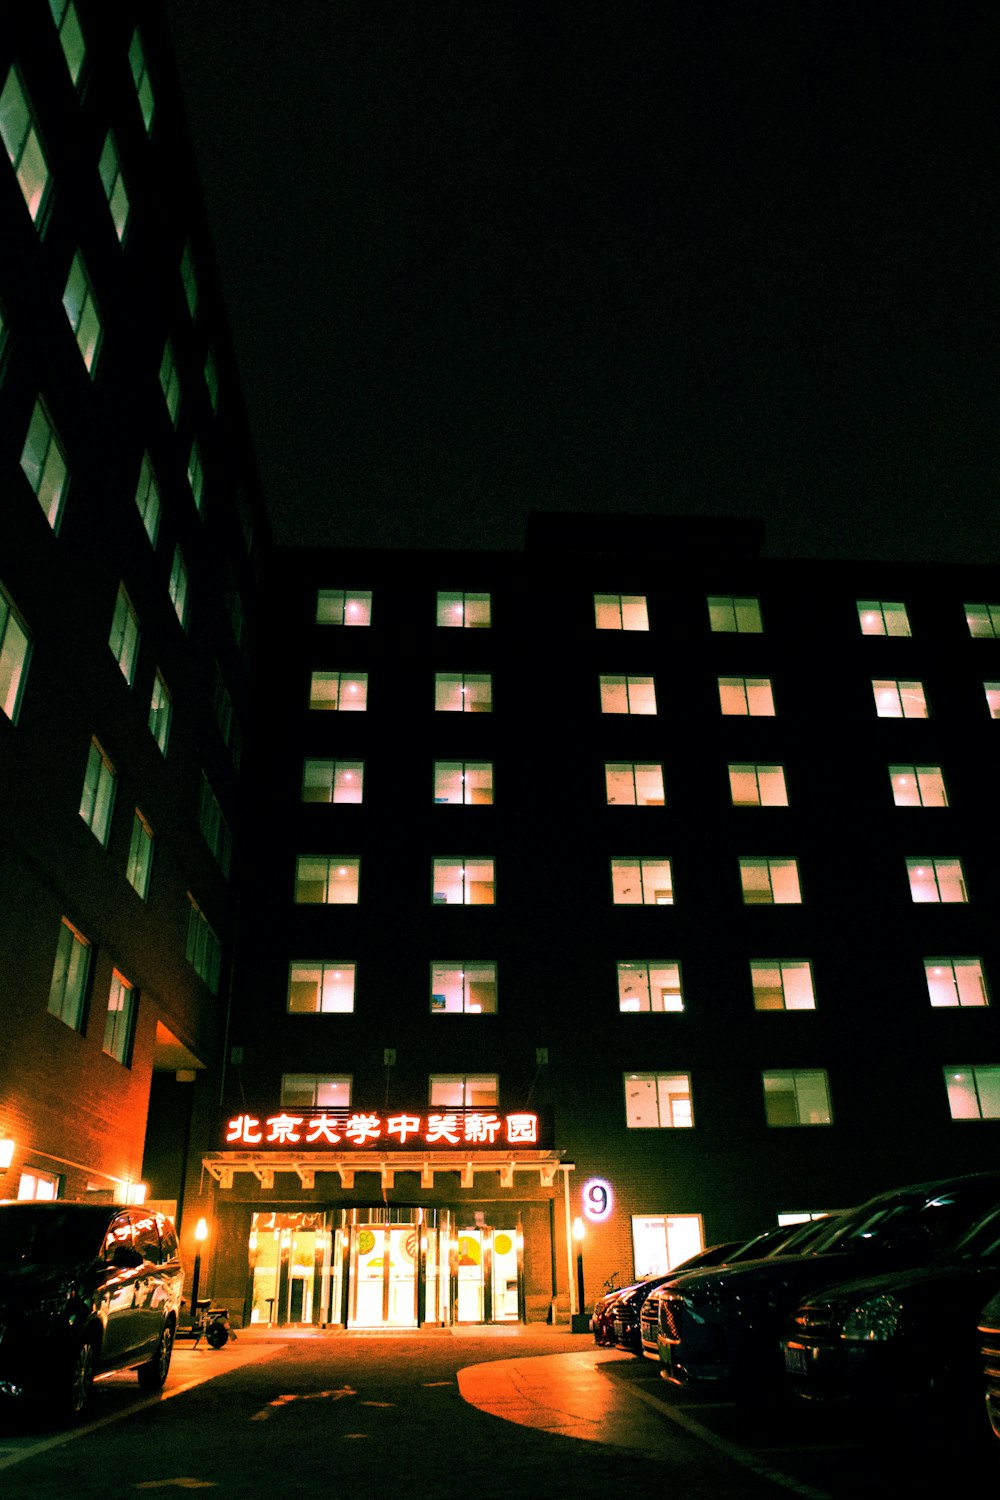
(320, 988)
(147, 499)
(899, 700)
(120, 1019)
(649, 984)
(170, 381)
(178, 587)
(44, 465)
(81, 310)
(124, 637)
(225, 717)
(983, 620)
(936, 880)
(797, 1097)
(346, 692)
(468, 782)
(471, 611)
(463, 692)
(782, 984)
(955, 981)
(189, 280)
(213, 825)
(463, 882)
(203, 950)
(729, 615)
(70, 36)
(15, 646)
(327, 882)
(19, 133)
(973, 1093)
(758, 786)
(464, 1090)
(747, 695)
(344, 607)
(878, 618)
(641, 882)
(98, 797)
(41, 1186)
(333, 781)
(196, 478)
(316, 1090)
(140, 856)
(627, 695)
(113, 182)
(992, 690)
(140, 77)
(465, 988)
(620, 612)
(631, 784)
(658, 1101)
(68, 990)
(770, 882)
(918, 786)
(212, 380)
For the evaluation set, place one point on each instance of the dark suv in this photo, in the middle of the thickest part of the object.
(723, 1328)
(84, 1290)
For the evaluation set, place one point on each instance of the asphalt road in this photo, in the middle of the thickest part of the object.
(542, 1414)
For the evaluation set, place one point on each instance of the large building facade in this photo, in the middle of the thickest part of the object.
(630, 878)
(130, 530)
(633, 879)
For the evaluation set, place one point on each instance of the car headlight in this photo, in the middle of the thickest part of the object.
(876, 1319)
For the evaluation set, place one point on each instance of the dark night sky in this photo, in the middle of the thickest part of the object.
(717, 256)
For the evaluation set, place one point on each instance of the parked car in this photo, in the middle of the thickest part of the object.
(899, 1335)
(784, 1239)
(723, 1328)
(602, 1318)
(84, 1289)
(625, 1314)
(989, 1348)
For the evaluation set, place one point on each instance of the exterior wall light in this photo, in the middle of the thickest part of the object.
(6, 1153)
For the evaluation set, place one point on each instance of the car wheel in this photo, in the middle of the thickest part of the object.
(79, 1387)
(217, 1335)
(153, 1374)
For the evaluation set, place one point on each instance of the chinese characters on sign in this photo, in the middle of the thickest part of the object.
(460, 1129)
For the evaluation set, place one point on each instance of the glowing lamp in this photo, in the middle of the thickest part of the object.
(578, 1229)
(201, 1231)
(137, 1192)
(6, 1153)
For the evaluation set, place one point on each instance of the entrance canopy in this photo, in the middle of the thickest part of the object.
(224, 1166)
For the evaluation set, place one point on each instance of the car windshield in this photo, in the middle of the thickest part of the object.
(45, 1236)
(807, 1236)
(911, 1223)
(982, 1241)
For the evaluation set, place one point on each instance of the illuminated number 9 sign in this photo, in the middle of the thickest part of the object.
(597, 1199)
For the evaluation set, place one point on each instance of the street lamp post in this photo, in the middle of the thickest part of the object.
(200, 1235)
(580, 1322)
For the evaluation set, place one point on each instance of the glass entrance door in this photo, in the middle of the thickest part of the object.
(469, 1302)
(384, 1259)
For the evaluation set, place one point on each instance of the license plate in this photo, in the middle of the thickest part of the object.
(795, 1359)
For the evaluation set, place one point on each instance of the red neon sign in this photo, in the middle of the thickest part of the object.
(467, 1128)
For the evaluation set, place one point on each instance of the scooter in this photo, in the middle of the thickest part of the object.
(208, 1322)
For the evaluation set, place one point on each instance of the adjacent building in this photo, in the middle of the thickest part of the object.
(130, 538)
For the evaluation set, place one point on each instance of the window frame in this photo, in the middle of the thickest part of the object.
(97, 800)
(974, 1070)
(120, 1019)
(46, 453)
(349, 768)
(797, 1075)
(623, 603)
(126, 632)
(631, 682)
(358, 599)
(446, 600)
(347, 866)
(442, 768)
(139, 868)
(69, 991)
(756, 769)
(36, 188)
(463, 861)
(955, 985)
(906, 689)
(741, 610)
(481, 971)
(745, 685)
(15, 657)
(780, 965)
(644, 969)
(919, 775)
(623, 863)
(468, 701)
(771, 861)
(622, 768)
(661, 1079)
(338, 970)
(915, 866)
(883, 616)
(343, 679)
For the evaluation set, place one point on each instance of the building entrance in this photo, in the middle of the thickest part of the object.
(379, 1268)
